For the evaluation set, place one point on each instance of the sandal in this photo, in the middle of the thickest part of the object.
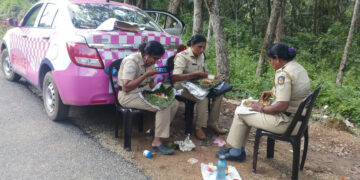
(162, 149)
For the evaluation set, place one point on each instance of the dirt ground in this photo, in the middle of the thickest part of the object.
(332, 154)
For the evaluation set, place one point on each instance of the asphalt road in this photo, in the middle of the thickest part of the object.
(33, 147)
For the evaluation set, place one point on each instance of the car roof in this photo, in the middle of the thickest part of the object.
(90, 2)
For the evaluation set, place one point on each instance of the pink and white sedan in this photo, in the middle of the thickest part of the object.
(65, 47)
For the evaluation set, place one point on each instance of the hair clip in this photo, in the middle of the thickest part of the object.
(291, 50)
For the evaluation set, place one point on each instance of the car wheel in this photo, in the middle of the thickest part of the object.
(54, 107)
(7, 68)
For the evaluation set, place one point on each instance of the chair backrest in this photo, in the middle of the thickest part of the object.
(307, 104)
(113, 70)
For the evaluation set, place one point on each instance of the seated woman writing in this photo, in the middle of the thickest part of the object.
(135, 74)
(291, 86)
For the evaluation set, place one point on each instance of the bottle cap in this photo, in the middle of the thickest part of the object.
(222, 157)
(147, 153)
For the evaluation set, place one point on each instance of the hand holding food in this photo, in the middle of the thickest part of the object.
(151, 72)
(265, 102)
(220, 77)
(265, 97)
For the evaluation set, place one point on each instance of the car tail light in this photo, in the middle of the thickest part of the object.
(181, 48)
(82, 55)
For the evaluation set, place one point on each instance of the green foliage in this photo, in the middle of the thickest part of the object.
(320, 55)
(161, 102)
(13, 8)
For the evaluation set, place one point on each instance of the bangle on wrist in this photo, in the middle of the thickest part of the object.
(262, 109)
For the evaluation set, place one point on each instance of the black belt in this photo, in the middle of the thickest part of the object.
(287, 114)
(120, 88)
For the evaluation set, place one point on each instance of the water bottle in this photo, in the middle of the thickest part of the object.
(221, 168)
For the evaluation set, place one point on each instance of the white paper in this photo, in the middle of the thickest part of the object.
(242, 109)
(107, 25)
(207, 175)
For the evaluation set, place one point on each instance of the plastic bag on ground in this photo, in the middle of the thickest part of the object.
(186, 145)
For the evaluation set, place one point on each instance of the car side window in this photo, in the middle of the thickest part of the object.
(31, 18)
(48, 15)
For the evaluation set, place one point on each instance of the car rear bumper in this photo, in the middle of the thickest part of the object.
(81, 86)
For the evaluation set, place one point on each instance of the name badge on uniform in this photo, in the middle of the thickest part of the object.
(281, 81)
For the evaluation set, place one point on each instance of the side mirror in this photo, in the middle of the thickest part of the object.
(12, 22)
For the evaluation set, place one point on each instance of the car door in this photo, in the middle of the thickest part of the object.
(40, 40)
(169, 22)
(20, 43)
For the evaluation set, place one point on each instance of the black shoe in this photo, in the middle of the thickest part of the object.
(162, 149)
(229, 157)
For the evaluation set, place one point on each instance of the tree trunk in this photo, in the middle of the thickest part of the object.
(315, 17)
(222, 59)
(209, 35)
(269, 8)
(197, 21)
(280, 23)
(269, 36)
(329, 13)
(127, 1)
(294, 26)
(252, 12)
(139, 4)
(174, 6)
(340, 75)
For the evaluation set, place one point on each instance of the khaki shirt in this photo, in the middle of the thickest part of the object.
(292, 84)
(185, 62)
(131, 68)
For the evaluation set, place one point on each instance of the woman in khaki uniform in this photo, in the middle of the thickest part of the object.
(291, 86)
(135, 73)
(189, 64)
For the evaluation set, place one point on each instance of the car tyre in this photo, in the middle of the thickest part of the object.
(7, 67)
(54, 107)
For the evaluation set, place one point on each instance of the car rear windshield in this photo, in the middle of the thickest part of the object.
(90, 16)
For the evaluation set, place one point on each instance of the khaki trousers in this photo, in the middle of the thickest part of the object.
(163, 117)
(201, 106)
(241, 125)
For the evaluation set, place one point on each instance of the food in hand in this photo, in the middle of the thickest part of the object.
(160, 95)
(265, 102)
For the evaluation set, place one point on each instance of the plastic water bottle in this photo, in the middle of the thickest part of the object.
(221, 168)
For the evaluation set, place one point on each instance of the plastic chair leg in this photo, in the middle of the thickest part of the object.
(127, 119)
(296, 157)
(189, 116)
(141, 123)
(270, 147)
(117, 124)
(306, 143)
(256, 148)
